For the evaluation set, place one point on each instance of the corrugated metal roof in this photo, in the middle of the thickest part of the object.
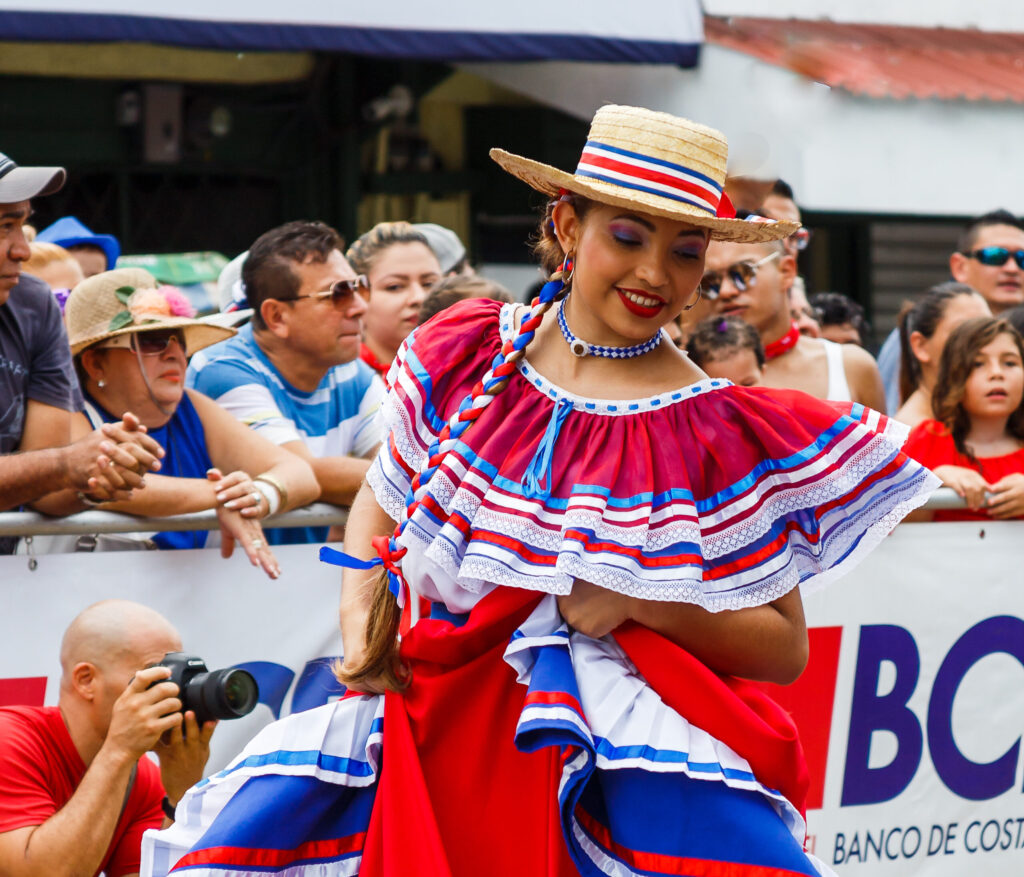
(883, 61)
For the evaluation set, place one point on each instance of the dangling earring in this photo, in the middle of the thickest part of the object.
(568, 263)
(101, 383)
(693, 303)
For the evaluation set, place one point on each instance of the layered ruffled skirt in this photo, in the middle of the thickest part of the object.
(521, 747)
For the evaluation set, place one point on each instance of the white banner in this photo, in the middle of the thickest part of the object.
(923, 768)
(911, 710)
(285, 632)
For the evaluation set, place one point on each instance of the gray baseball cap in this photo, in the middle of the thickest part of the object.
(21, 183)
(444, 242)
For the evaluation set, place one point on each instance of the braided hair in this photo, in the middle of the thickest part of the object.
(381, 660)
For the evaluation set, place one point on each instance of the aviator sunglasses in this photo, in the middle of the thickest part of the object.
(742, 274)
(149, 343)
(342, 292)
(800, 238)
(995, 257)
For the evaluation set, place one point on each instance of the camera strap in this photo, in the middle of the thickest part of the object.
(128, 791)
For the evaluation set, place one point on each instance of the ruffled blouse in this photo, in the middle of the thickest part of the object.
(712, 494)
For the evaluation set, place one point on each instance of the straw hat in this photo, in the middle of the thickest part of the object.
(653, 163)
(131, 300)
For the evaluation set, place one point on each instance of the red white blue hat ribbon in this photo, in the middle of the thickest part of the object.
(655, 176)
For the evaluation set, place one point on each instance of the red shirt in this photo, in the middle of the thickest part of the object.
(40, 770)
(931, 444)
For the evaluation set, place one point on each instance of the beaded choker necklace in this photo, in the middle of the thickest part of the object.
(784, 344)
(581, 348)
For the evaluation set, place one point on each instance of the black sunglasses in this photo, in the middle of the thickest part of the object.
(152, 343)
(995, 257)
(342, 292)
(148, 343)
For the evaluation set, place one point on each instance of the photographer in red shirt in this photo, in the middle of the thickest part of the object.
(76, 792)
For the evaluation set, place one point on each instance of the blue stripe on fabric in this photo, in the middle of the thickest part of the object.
(921, 477)
(809, 529)
(315, 811)
(816, 550)
(564, 634)
(381, 42)
(656, 500)
(661, 161)
(734, 829)
(765, 466)
(538, 729)
(422, 377)
(649, 189)
(441, 612)
(606, 749)
(334, 763)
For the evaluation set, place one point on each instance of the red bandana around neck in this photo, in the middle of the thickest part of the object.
(784, 344)
(368, 356)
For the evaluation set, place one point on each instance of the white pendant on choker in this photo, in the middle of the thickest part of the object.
(579, 347)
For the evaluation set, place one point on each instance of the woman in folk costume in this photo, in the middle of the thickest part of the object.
(611, 544)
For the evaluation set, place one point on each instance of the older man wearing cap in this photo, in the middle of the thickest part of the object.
(38, 388)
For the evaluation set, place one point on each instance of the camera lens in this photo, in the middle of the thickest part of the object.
(240, 692)
(222, 694)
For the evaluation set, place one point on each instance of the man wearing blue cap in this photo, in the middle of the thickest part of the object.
(94, 252)
(38, 388)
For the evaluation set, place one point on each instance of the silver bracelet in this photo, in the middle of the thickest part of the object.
(273, 496)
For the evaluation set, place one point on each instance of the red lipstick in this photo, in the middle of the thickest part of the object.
(639, 309)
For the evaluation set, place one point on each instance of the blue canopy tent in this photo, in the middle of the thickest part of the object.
(650, 31)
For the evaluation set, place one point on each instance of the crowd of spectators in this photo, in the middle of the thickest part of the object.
(275, 401)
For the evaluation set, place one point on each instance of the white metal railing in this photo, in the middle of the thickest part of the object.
(316, 515)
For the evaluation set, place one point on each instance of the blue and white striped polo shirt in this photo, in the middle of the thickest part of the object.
(340, 417)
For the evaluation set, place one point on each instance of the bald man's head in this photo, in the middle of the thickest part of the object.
(116, 631)
(102, 650)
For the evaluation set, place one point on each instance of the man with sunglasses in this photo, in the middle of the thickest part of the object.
(293, 374)
(989, 257)
(38, 388)
(750, 281)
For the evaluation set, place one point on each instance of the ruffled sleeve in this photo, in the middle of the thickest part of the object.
(435, 369)
(717, 495)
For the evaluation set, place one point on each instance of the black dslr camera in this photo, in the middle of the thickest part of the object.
(211, 694)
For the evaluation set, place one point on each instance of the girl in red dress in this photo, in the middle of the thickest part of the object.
(975, 444)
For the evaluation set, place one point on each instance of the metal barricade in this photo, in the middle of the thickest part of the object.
(318, 514)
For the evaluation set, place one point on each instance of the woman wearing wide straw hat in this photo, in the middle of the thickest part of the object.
(611, 544)
(130, 339)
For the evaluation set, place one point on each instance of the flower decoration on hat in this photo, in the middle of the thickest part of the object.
(149, 306)
(180, 305)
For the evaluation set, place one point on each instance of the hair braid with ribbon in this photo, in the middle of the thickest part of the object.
(381, 662)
